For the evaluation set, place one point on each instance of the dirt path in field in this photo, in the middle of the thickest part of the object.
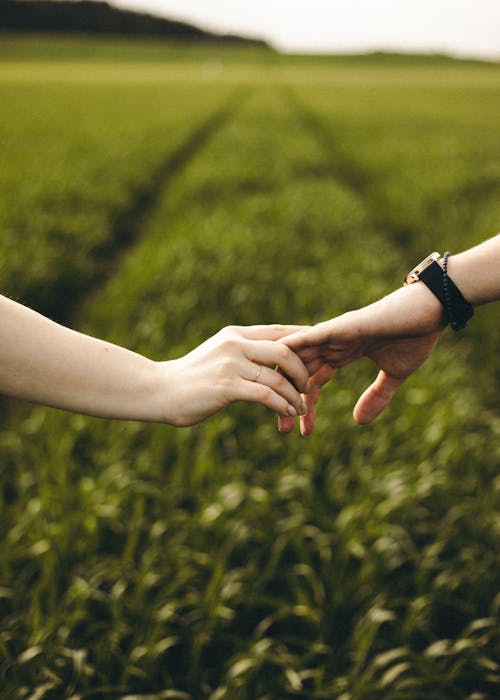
(130, 222)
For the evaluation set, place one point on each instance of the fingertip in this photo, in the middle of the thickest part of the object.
(365, 415)
(308, 422)
(360, 419)
(357, 412)
(286, 424)
(306, 430)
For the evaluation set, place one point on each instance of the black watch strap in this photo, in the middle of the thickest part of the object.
(457, 309)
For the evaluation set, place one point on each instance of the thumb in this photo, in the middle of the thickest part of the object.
(374, 399)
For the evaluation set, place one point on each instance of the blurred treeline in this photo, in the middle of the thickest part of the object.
(94, 17)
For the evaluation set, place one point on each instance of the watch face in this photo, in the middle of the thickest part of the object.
(414, 275)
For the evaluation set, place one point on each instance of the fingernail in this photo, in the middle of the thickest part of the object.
(302, 409)
(291, 410)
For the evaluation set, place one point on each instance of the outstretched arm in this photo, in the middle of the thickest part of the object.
(397, 332)
(47, 363)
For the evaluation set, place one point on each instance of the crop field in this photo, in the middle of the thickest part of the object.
(151, 195)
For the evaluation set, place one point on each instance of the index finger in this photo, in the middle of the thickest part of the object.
(273, 331)
(309, 336)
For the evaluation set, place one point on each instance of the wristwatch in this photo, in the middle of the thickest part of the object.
(414, 275)
(457, 310)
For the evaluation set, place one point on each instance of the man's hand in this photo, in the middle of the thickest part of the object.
(397, 332)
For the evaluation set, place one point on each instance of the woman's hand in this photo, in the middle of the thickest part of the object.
(235, 364)
(47, 363)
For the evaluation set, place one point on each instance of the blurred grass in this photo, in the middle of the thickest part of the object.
(225, 560)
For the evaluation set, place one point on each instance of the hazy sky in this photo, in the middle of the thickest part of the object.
(464, 27)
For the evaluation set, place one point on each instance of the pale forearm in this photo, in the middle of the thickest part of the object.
(47, 363)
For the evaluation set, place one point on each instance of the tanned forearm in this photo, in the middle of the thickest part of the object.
(476, 272)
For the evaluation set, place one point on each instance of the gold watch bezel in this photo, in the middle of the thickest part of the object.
(414, 275)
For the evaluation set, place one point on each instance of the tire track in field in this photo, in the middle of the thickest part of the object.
(69, 293)
(345, 171)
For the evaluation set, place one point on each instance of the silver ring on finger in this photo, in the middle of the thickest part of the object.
(259, 370)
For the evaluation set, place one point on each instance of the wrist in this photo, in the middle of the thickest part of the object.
(139, 395)
(408, 311)
(163, 405)
(433, 272)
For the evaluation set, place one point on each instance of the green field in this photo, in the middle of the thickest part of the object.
(152, 194)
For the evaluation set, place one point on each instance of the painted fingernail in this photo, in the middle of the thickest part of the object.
(291, 410)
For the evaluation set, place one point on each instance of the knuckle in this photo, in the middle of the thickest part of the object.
(264, 393)
(230, 330)
(229, 344)
(280, 381)
(228, 367)
(284, 353)
(276, 328)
